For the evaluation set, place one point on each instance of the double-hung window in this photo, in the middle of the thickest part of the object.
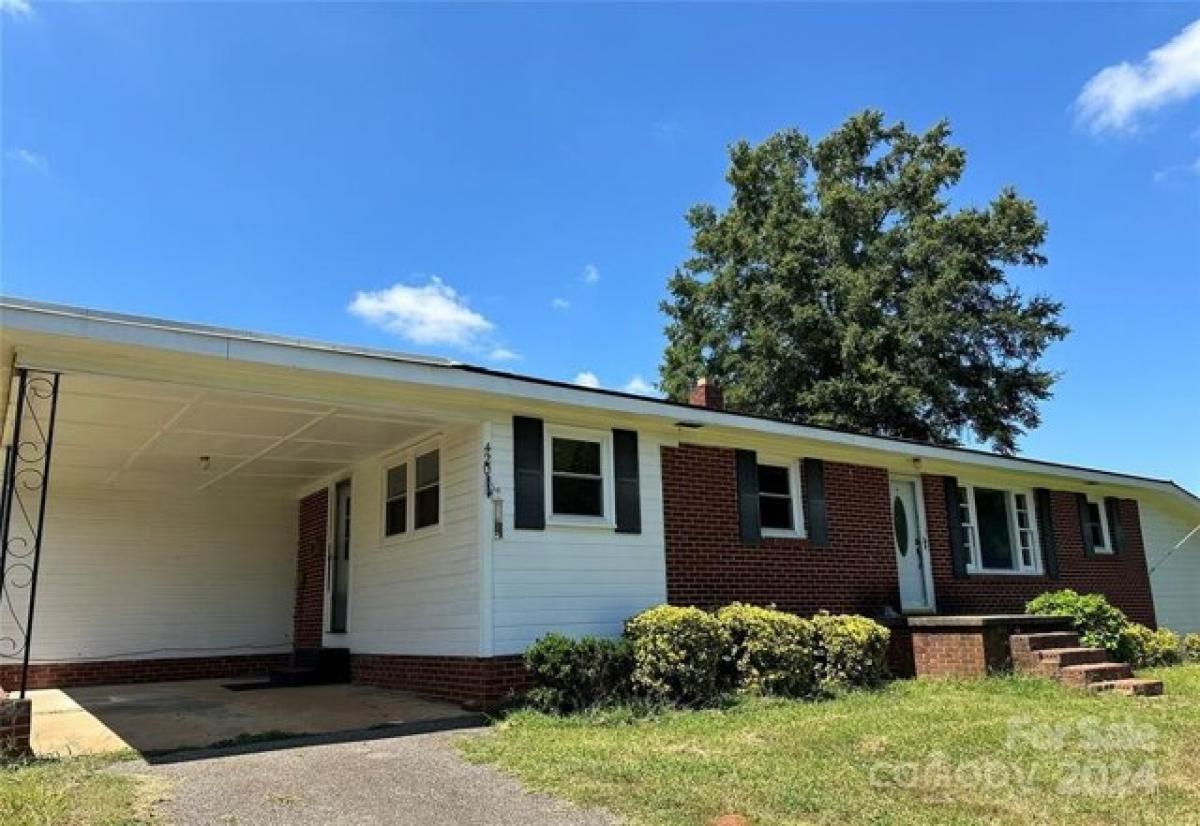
(1096, 524)
(999, 530)
(580, 475)
(779, 509)
(427, 490)
(412, 492)
(395, 508)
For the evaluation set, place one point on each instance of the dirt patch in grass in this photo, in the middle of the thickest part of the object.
(1005, 750)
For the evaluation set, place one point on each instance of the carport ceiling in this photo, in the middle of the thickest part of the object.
(119, 432)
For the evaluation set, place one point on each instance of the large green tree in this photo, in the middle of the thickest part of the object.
(839, 288)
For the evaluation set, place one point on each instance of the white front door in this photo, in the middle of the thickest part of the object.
(908, 534)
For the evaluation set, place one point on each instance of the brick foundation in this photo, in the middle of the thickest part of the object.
(969, 647)
(16, 716)
(474, 682)
(308, 616)
(111, 672)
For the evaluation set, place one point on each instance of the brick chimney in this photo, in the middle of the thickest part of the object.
(706, 393)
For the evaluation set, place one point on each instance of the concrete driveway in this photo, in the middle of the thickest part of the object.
(156, 717)
(414, 779)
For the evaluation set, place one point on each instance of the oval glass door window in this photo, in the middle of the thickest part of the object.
(900, 525)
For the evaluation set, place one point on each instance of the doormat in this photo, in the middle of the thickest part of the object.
(265, 684)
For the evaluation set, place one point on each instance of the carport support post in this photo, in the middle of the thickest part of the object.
(37, 542)
(30, 388)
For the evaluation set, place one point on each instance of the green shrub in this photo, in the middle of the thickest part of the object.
(677, 654)
(570, 675)
(1191, 648)
(1135, 639)
(771, 652)
(1144, 648)
(849, 651)
(1099, 624)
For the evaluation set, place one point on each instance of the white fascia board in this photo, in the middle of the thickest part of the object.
(235, 345)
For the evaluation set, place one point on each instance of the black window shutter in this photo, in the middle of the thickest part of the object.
(958, 549)
(749, 522)
(1116, 530)
(1084, 529)
(1045, 525)
(529, 492)
(625, 471)
(812, 473)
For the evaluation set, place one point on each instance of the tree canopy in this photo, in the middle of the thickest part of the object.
(839, 288)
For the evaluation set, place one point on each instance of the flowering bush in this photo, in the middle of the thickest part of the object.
(771, 652)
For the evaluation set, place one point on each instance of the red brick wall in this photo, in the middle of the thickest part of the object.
(1123, 578)
(477, 682)
(311, 530)
(16, 717)
(110, 672)
(708, 565)
(965, 653)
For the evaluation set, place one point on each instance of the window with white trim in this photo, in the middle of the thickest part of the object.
(412, 491)
(427, 509)
(395, 506)
(779, 510)
(1097, 527)
(999, 530)
(579, 470)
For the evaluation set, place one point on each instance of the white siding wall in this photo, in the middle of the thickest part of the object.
(144, 574)
(574, 580)
(1175, 574)
(419, 593)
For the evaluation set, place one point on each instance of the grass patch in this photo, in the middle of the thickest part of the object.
(1003, 750)
(71, 792)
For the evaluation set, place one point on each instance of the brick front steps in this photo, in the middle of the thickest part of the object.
(1058, 655)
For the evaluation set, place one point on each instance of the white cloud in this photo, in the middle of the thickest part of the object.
(16, 8)
(560, 304)
(587, 379)
(1118, 95)
(591, 274)
(639, 386)
(433, 313)
(503, 354)
(1176, 173)
(27, 157)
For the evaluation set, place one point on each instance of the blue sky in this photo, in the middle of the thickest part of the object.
(506, 184)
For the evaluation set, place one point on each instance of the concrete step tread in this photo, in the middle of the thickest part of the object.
(1095, 668)
(1046, 639)
(1047, 653)
(1081, 676)
(1066, 657)
(1138, 686)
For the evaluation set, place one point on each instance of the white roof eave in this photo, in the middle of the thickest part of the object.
(238, 345)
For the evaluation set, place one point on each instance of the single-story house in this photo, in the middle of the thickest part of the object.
(186, 501)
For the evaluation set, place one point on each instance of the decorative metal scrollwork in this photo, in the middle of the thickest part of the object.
(487, 469)
(23, 511)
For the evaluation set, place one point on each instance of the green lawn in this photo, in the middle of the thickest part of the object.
(71, 792)
(1005, 750)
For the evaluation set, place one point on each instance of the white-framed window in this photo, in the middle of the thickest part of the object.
(395, 504)
(779, 510)
(1097, 527)
(999, 530)
(579, 476)
(412, 490)
(427, 489)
